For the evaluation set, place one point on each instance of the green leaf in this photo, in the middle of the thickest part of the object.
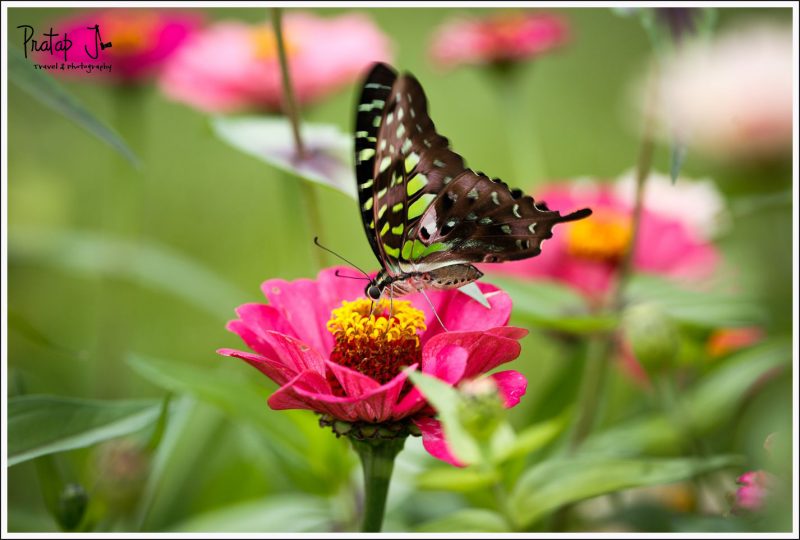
(50, 93)
(530, 439)
(328, 158)
(445, 399)
(310, 455)
(225, 389)
(280, 513)
(455, 479)
(712, 402)
(467, 520)
(702, 308)
(146, 263)
(550, 305)
(39, 424)
(550, 485)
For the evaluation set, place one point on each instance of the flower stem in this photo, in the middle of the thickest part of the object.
(600, 354)
(377, 461)
(292, 112)
(289, 104)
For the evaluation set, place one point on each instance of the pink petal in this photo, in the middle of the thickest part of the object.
(459, 312)
(255, 320)
(307, 304)
(377, 405)
(309, 390)
(353, 383)
(289, 357)
(511, 385)
(446, 363)
(433, 440)
(486, 350)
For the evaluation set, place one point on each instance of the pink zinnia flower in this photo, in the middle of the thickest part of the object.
(586, 254)
(753, 490)
(318, 341)
(233, 65)
(141, 40)
(503, 37)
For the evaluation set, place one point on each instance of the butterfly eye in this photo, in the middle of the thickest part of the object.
(374, 292)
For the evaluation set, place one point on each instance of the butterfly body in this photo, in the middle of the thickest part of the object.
(447, 277)
(426, 215)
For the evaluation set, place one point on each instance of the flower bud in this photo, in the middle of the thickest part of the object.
(480, 408)
(72, 503)
(652, 335)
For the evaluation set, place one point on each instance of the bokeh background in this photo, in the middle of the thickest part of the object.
(211, 223)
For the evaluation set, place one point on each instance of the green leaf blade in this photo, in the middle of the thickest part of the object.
(552, 484)
(50, 93)
(39, 425)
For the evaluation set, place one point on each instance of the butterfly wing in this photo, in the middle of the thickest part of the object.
(369, 115)
(478, 219)
(401, 163)
(422, 209)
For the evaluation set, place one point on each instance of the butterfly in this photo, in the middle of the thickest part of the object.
(426, 215)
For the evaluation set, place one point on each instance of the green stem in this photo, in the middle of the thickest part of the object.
(289, 103)
(377, 461)
(599, 356)
(593, 382)
(292, 112)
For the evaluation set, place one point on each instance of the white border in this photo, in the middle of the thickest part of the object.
(379, 4)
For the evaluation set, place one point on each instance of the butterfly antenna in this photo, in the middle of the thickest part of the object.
(337, 274)
(434, 309)
(316, 241)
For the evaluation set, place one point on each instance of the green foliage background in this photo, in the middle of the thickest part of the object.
(98, 329)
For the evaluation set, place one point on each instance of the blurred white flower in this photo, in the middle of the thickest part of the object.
(731, 98)
(696, 203)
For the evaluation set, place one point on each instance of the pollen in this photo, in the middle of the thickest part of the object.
(376, 339)
(602, 237)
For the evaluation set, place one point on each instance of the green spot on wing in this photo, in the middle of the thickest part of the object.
(433, 248)
(411, 161)
(417, 183)
(420, 205)
(384, 163)
(392, 252)
(406, 254)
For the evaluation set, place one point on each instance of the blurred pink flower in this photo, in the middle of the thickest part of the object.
(233, 65)
(141, 40)
(502, 37)
(318, 341)
(731, 98)
(586, 253)
(753, 490)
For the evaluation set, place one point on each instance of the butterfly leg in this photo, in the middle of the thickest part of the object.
(434, 310)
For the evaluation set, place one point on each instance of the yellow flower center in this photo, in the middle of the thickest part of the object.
(265, 46)
(130, 32)
(604, 236)
(377, 340)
